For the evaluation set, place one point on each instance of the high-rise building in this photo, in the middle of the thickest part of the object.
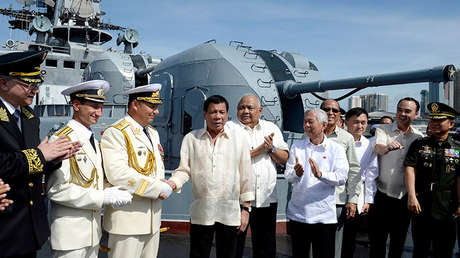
(457, 90)
(424, 100)
(374, 102)
(354, 101)
(442, 92)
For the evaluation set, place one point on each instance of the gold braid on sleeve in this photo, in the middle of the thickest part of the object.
(150, 164)
(35, 164)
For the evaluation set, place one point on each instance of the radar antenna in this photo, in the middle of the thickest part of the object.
(82, 8)
(51, 3)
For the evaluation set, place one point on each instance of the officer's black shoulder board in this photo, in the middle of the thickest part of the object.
(66, 130)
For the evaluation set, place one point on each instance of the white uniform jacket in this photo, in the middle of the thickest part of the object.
(76, 209)
(140, 172)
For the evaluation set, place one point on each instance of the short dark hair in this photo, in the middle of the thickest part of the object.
(322, 104)
(357, 111)
(79, 99)
(215, 99)
(410, 99)
(389, 117)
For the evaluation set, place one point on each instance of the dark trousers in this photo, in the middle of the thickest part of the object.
(350, 231)
(388, 217)
(427, 231)
(201, 240)
(28, 255)
(263, 233)
(320, 236)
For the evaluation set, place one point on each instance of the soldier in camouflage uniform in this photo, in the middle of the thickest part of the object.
(432, 166)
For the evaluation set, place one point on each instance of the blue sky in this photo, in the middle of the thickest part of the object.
(343, 38)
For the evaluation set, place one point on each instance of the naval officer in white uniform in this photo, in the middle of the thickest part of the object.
(76, 189)
(132, 159)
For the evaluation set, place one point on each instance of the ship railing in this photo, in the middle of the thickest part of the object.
(65, 110)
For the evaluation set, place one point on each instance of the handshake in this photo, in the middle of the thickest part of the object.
(167, 186)
(117, 197)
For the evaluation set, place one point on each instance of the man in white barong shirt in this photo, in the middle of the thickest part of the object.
(316, 165)
(267, 149)
(217, 160)
(356, 122)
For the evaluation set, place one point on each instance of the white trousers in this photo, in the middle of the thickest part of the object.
(134, 246)
(86, 252)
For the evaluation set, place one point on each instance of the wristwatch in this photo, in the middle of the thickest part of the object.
(248, 208)
(273, 149)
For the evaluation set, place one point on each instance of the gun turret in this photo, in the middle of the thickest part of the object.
(436, 74)
(278, 79)
(143, 72)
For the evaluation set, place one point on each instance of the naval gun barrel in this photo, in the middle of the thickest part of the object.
(436, 74)
(142, 72)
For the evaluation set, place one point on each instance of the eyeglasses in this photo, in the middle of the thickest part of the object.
(329, 109)
(29, 86)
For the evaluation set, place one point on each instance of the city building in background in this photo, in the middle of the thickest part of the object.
(457, 91)
(372, 102)
(424, 100)
(354, 101)
(442, 92)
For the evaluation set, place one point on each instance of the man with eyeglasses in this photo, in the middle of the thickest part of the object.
(316, 166)
(347, 195)
(25, 160)
(267, 149)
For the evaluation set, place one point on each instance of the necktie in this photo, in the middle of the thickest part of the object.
(91, 140)
(17, 118)
(148, 135)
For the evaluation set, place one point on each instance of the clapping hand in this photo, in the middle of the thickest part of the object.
(268, 142)
(60, 149)
(315, 168)
(298, 168)
(3, 201)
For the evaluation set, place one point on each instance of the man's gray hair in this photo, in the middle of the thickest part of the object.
(320, 114)
(250, 95)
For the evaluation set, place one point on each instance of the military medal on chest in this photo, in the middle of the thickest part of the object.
(451, 157)
(426, 152)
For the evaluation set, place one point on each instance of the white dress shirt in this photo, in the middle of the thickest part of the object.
(369, 170)
(264, 168)
(313, 200)
(221, 175)
(349, 192)
(391, 168)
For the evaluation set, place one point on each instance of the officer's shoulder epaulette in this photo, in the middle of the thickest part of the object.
(121, 125)
(66, 130)
(28, 112)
